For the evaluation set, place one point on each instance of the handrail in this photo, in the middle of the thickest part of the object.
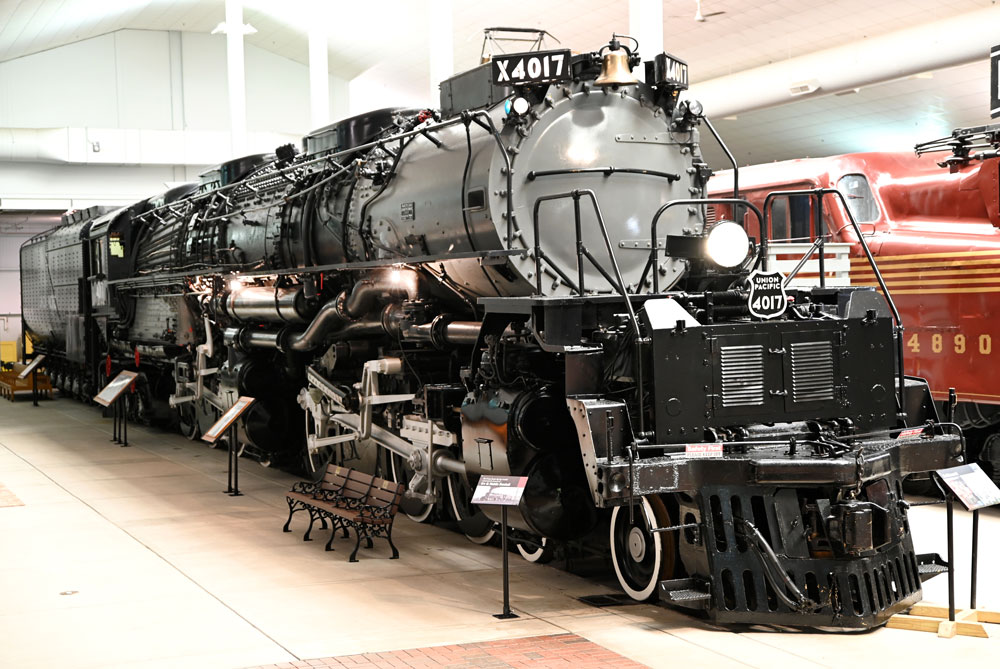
(802, 263)
(618, 283)
(818, 193)
(581, 250)
(654, 250)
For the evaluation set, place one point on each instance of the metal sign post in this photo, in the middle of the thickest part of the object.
(227, 421)
(975, 490)
(112, 395)
(32, 369)
(502, 491)
(970, 485)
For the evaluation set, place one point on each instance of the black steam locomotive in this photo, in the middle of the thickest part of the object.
(523, 282)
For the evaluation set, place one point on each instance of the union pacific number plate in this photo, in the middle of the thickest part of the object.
(533, 67)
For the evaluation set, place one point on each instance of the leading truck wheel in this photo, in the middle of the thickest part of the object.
(541, 554)
(642, 558)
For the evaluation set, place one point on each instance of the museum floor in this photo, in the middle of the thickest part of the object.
(133, 557)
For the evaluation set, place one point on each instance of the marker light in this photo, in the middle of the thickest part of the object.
(235, 285)
(521, 105)
(727, 244)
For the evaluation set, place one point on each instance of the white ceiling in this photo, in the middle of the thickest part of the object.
(393, 33)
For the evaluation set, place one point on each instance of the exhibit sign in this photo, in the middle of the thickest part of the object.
(232, 413)
(115, 388)
(32, 366)
(995, 82)
(971, 485)
(500, 490)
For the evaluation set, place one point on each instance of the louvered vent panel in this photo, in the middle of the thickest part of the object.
(711, 216)
(812, 371)
(742, 376)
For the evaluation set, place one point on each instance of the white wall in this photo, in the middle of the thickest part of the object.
(79, 186)
(372, 90)
(122, 80)
(72, 85)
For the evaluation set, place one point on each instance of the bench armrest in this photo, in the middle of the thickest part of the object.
(375, 513)
(328, 495)
(305, 487)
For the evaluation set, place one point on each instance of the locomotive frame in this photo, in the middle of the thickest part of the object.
(382, 288)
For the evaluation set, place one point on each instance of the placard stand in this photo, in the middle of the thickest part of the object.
(32, 369)
(119, 431)
(113, 395)
(507, 613)
(227, 421)
(233, 482)
(502, 491)
(975, 490)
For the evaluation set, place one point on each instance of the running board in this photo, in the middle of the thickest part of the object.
(690, 593)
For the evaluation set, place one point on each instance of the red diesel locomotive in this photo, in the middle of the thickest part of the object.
(934, 226)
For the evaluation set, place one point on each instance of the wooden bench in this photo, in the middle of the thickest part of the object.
(348, 498)
(10, 385)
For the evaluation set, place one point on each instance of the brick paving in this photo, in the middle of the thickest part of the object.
(538, 652)
(7, 498)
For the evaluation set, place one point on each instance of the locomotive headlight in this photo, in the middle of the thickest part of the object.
(727, 244)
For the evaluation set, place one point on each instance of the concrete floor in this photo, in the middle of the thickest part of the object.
(166, 571)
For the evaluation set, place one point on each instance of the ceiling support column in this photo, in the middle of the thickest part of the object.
(319, 76)
(645, 23)
(236, 76)
(441, 45)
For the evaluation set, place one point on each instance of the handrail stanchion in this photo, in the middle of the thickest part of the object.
(654, 248)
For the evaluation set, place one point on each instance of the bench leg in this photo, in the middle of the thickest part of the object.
(368, 542)
(395, 552)
(333, 535)
(322, 520)
(312, 521)
(357, 545)
(293, 506)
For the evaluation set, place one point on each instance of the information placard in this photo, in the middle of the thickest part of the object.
(971, 485)
(113, 390)
(500, 490)
(231, 414)
(32, 366)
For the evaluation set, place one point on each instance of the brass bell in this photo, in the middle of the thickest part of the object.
(615, 70)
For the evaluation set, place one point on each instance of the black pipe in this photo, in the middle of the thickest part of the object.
(606, 171)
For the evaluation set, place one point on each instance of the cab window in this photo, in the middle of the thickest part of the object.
(859, 196)
(791, 218)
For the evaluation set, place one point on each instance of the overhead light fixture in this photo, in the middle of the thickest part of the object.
(803, 88)
(849, 91)
(223, 28)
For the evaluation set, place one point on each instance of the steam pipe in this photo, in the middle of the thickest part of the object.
(347, 307)
(338, 319)
(267, 304)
